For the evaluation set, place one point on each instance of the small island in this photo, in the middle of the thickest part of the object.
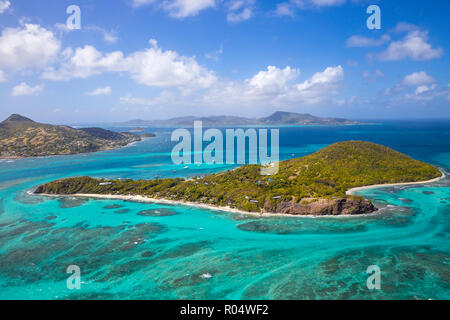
(312, 185)
(21, 137)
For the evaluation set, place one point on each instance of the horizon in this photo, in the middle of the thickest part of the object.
(142, 59)
(376, 120)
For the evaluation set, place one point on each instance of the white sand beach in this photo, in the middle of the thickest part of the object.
(353, 190)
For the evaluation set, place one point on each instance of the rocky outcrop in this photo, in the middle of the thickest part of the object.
(323, 207)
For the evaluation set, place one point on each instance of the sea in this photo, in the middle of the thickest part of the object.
(75, 248)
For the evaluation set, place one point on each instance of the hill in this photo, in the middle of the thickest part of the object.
(22, 137)
(277, 118)
(312, 185)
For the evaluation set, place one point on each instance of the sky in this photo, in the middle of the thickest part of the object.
(157, 59)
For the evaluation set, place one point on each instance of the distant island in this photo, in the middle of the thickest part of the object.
(312, 185)
(21, 137)
(278, 118)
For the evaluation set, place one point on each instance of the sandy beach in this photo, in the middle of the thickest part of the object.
(353, 190)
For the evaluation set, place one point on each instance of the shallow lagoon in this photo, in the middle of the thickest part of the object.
(130, 250)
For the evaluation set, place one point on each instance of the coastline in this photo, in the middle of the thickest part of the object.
(73, 154)
(352, 191)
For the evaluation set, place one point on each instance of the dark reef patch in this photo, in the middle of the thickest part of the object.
(428, 192)
(122, 211)
(159, 212)
(297, 227)
(71, 202)
(185, 250)
(113, 206)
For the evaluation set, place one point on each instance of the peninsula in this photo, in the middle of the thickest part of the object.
(312, 185)
(21, 137)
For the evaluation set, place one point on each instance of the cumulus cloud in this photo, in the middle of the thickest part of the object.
(100, 92)
(272, 87)
(417, 79)
(29, 46)
(414, 46)
(273, 79)
(277, 87)
(4, 5)
(151, 67)
(417, 87)
(24, 89)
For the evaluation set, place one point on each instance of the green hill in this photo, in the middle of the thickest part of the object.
(315, 184)
(22, 137)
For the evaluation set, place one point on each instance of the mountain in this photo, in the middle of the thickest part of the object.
(22, 137)
(312, 185)
(277, 118)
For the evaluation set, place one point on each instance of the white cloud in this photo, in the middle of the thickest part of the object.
(274, 79)
(28, 46)
(240, 10)
(284, 9)
(405, 27)
(151, 67)
(108, 36)
(214, 55)
(100, 91)
(245, 14)
(417, 87)
(360, 41)
(423, 89)
(277, 87)
(84, 63)
(178, 8)
(414, 46)
(417, 79)
(186, 8)
(272, 87)
(24, 89)
(4, 5)
(321, 85)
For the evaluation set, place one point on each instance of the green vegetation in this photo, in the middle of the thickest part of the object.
(326, 174)
(21, 137)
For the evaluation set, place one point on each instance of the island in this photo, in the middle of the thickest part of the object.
(21, 137)
(279, 118)
(312, 185)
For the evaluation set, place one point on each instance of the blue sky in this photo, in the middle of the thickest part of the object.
(154, 59)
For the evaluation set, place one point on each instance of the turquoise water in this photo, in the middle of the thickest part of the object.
(129, 250)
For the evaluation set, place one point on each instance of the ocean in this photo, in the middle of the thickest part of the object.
(129, 250)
